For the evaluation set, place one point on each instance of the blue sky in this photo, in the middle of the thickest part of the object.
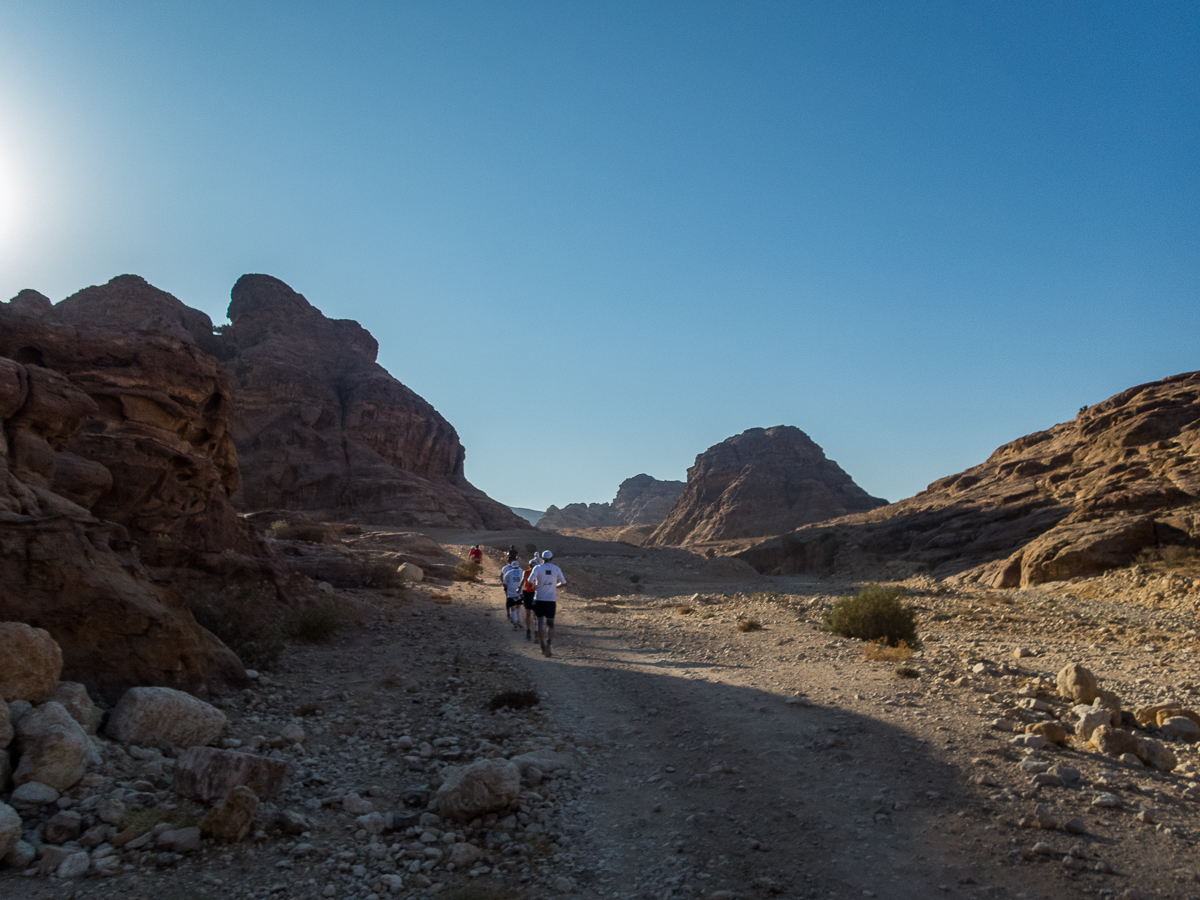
(601, 237)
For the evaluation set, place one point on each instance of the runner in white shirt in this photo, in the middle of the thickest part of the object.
(511, 577)
(546, 579)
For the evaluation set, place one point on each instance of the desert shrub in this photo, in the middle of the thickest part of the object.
(635, 578)
(685, 610)
(245, 617)
(880, 651)
(283, 531)
(875, 614)
(309, 709)
(907, 672)
(514, 700)
(315, 622)
(749, 625)
(467, 570)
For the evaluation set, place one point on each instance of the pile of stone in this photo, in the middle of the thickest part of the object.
(90, 789)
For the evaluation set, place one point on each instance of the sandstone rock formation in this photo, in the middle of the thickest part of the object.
(1078, 499)
(62, 568)
(321, 427)
(640, 500)
(153, 452)
(761, 482)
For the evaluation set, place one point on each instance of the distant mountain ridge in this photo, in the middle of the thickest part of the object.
(640, 500)
(529, 515)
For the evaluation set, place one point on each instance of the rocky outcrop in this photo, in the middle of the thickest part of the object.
(150, 446)
(761, 482)
(1078, 499)
(640, 500)
(111, 455)
(321, 427)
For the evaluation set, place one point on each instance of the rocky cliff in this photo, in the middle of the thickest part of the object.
(63, 568)
(1078, 499)
(321, 427)
(640, 500)
(761, 482)
(154, 453)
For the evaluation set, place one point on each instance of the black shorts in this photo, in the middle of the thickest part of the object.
(510, 602)
(544, 609)
(527, 599)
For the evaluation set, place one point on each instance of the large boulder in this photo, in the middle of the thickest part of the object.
(762, 482)
(6, 726)
(484, 786)
(30, 663)
(154, 715)
(52, 748)
(206, 773)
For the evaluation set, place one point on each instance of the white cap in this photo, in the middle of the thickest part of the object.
(546, 554)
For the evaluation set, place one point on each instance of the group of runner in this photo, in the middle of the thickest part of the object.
(531, 593)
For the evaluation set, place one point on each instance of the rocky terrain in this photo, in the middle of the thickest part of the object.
(759, 483)
(1078, 499)
(640, 500)
(697, 734)
(321, 427)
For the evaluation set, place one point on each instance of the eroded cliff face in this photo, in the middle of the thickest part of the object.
(160, 417)
(1078, 499)
(640, 500)
(66, 570)
(321, 427)
(761, 482)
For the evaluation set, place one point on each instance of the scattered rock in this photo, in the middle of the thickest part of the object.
(484, 786)
(10, 828)
(1078, 683)
(30, 663)
(230, 821)
(148, 716)
(53, 748)
(206, 773)
(63, 826)
(75, 700)
(179, 840)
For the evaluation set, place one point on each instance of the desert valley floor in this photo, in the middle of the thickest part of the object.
(715, 743)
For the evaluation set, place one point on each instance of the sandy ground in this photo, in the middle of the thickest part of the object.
(718, 762)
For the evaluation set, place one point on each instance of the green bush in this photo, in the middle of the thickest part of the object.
(315, 622)
(875, 614)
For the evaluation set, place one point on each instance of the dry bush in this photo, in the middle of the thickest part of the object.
(467, 570)
(443, 600)
(685, 610)
(245, 616)
(907, 672)
(880, 651)
(315, 622)
(514, 700)
(284, 531)
(874, 614)
(390, 680)
(749, 625)
(309, 709)
(998, 600)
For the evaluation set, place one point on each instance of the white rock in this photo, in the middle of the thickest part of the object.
(148, 715)
(75, 865)
(484, 786)
(1106, 800)
(53, 747)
